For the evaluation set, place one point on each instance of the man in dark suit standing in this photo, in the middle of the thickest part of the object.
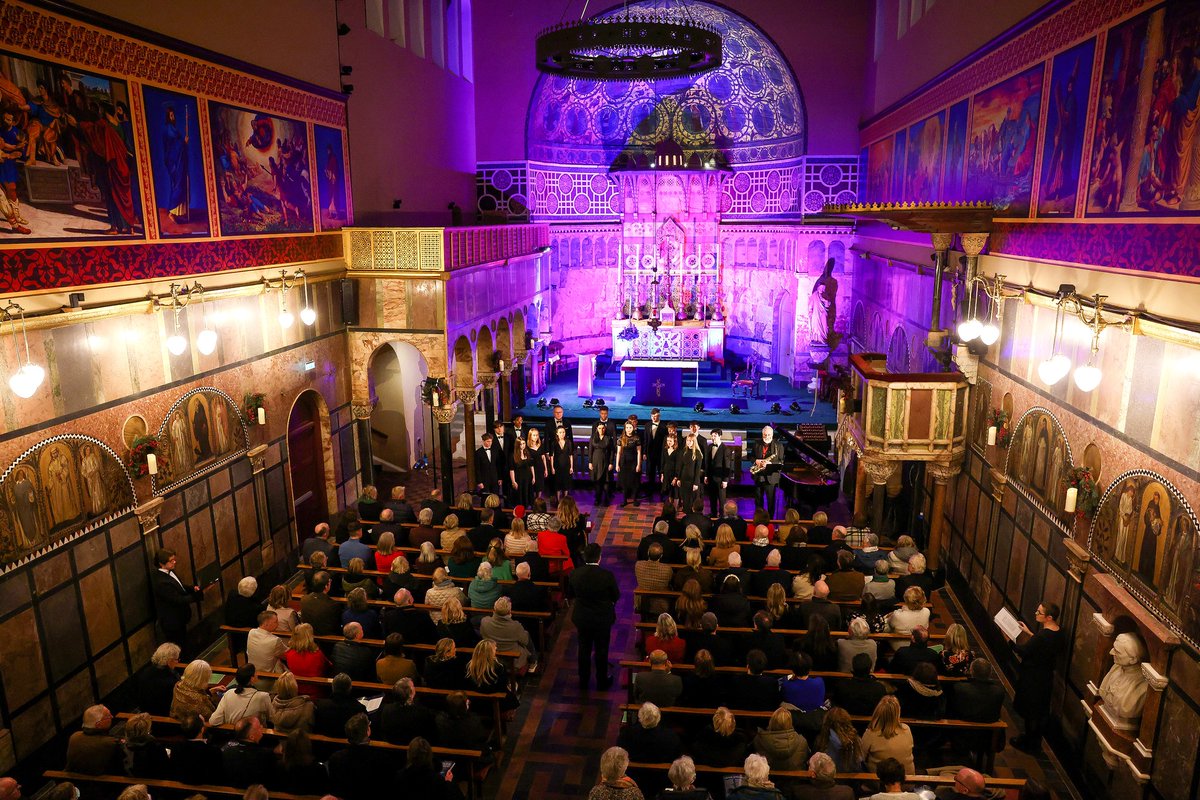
(558, 421)
(174, 600)
(718, 467)
(487, 467)
(768, 460)
(595, 592)
(654, 436)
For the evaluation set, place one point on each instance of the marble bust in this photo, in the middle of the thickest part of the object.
(1123, 690)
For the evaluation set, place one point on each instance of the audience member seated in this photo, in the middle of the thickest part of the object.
(403, 718)
(393, 664)
(865, 558)
(757, 784)
(861, 692)
(502, 565)
(241, 611)
(354, 578)
(837, 544)
(298, 771)
(459, 728)
(804, 691)
(246, 760)
(422, 776)
(351, 656)
(442, 590)
(666, 638)
(722, 744)
(537, 519)
(846, 582)
(769, 575)
(804, 583)
(194, 694)
(411, 623)
(735, 568)
(921, 696)
(969, 785)
(891, 772)
(264, 649)
(669, 515)
(614, 784)
(402, 511)
(455, 625)
(754, 555)
(385, 543)
(359, 771)
(696, 516)
(980, 697)
(858, 642)
(820, 532)
(462, 561)
(761, 517)
(824, 785)
(464, 508)
(304, 659)
(436, 507)
(648, 741)
(289, 709)
(732, 608)
(702, 686)
(911, 614)
(443, 668)
(424, 533)
(652, 575)
(690, 606)
(721, 648)
(517, 541)
(554, 546)
(918, 651)
(726, 543)
(765, 639)
(869, 611)
(279, 601)
(354, 547)
(754, 690)
(194, 759)
(682, 775)
(658, 686)
(662, 537)
(399, 577)
(887, 737)
(880, 583)
(243, 699)
(839, 739)
(486, 674)
(693, 570)
(525, 594)
(482, 534)
(539, 568)
(821, 606)
(332, 712)
(905, 549)
(509, 635)
(319, 542)
(145, 756)
(956, 652)
(368, 506)
(156, 683)
(320, 610)
(730, 517)
(483, 590)
(917, 576)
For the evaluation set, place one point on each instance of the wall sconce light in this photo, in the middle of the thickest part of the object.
(987, 331)
(1055, 368)
(181, 295)
(283, 285)
(1088, 376)
(29, 376)
(307, 315)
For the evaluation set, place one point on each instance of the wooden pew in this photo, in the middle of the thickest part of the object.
(882, 637)
(172, 787)
(673, 594)
(374, 573)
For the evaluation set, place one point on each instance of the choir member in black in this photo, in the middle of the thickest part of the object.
(603, 446)
(768, 458)
(669, 466)
(718, 467)
(556, 422)
(691, 472)
(503, 453)
(521, 474)
(1035, 676)
(654, 437)
(537, 451)
(629, 463)
(488, 466)
(561, 457)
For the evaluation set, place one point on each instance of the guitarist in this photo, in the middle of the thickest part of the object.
(768, 460)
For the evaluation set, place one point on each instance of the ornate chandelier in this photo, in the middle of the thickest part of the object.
(645, 44)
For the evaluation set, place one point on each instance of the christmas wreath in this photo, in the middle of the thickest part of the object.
(136, 460)
(253, 403)
(1088, 498)
(998, 418)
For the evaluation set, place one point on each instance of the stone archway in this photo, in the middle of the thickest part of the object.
(400, 425)
(310, 462)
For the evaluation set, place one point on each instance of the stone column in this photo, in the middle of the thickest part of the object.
(942, 242)
(488, 380)
(505, 393)
(521, 360)
(879, 472)
(941, 474)
(147, 514)
(444, 415)
(972, 245)
(467, 396)
(362, 430)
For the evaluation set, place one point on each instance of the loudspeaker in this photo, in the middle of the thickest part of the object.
(347, 289)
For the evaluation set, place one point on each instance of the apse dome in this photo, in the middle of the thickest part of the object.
(749, 109)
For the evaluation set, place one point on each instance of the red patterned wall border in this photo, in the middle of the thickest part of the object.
(1172, 248)
(1076, 22)
(58, 38)
(39, 268)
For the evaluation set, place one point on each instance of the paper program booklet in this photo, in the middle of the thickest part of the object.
(1008, 624)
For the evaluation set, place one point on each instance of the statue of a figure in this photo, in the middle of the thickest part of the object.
(822, 308)
(1123, 689)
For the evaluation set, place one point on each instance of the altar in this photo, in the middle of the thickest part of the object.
(688, 340)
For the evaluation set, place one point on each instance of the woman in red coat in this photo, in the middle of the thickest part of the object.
(305, 659)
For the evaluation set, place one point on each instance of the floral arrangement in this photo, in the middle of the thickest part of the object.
(628, 334)
(1088, 499)
(136, 459)
(998, 418)
(253, 403)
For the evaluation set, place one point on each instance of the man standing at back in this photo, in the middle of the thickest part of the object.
(595, 592)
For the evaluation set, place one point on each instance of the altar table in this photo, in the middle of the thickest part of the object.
(658, 381)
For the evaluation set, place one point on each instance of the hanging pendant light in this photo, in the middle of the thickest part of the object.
(206, 340)
(29, 376)
(1055, 368)
(307, 315)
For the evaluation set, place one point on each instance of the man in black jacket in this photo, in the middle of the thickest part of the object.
(768, 460)
(595, 592)
(487, 466)
(402, 718)
(333, 712)
(524, 593)
(549, 433)
(411, 623)
(195, 760)
(754, 690)
(733, 520)
(319, 609)
(361, 772)
(821, 605)
(980, 697)
(720, 647)
(246, 760)
(352, 657)
(483, 533)
(718, 468)
(907, 657)
(696, 516)
(860, 693)
(438, 506)
(402, 511)
(654, 436)
(387, 524)
(769, 642)
(172, 598)
(660, 536)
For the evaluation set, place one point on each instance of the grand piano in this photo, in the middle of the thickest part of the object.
(809, 477)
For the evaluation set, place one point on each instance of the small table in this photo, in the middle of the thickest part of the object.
(766, 379)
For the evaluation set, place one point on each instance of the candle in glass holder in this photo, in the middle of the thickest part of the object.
(992, 435)
(152, 463)
(262, 415)
(1072, 499)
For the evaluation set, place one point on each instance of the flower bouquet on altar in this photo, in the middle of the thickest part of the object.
(998, 418)
(138, 457)
(628, 333)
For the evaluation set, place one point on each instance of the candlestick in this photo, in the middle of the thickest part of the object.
(1072, 498)
(152, 463)
(992, 435)
(262, 416)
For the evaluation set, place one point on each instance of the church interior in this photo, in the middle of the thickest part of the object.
(315, 313)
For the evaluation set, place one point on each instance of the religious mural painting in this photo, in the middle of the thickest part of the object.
(981, 405)
(176, 162)
(56, 489)
(262, 172)
(1062, 150)
(1039, 455)
(67, 164)
(880, 167)
(1145, 533)
(203, 429)
(331, 178)
(896, 189)
(1002, 143)
(922, 177)
(953, 185)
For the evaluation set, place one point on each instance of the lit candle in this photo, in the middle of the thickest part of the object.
(262, 415)
(152, 463)
(437, 398)
(1072, 497)
(502, 365)
(992, 435)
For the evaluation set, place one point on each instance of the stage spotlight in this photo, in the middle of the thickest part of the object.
(553, 401)
(776, 408)
(347, 69)
(734, 408)
(541, 403)
(698, 408)
(599, 402)
(795, 406)
(343, 29)
(588, 403)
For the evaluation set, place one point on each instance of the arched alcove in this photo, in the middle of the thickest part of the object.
(399, 423)
(310, 461)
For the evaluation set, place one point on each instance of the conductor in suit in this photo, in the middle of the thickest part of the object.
(603, 446)
(557, 421)
(718, 467)
(487, 466)
(768, 460)
(173, 599)
(595, 592)
(654, 437)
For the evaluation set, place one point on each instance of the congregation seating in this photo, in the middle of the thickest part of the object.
(114, 783)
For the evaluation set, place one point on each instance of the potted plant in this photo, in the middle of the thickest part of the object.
(998, 418)
(137, 459)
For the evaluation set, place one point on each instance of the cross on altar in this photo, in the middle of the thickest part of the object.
(658, 387)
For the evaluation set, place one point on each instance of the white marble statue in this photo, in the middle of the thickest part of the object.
(1123, 689)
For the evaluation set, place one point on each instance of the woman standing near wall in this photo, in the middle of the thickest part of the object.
(1035, 676)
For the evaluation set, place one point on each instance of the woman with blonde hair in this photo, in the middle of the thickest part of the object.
(355, 579)
(911, 614)
(957, 654)
(614, 783)
(783, 747)
(840, 741)
(666, 638)
(428, 561)
(454, 624)
(776, 604)
(464, 507)
(279, 601)
(721, 744)
(887, 737)
(499, 518)
(385, 551)
(726, 543)
(451, 532)
(485, 673)
(443, 668)
(790, 524)
(400, 576)
(290, 710)
(690, 606)
(193, 694)
(517, 540)
(694, 570)
(305, 659)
